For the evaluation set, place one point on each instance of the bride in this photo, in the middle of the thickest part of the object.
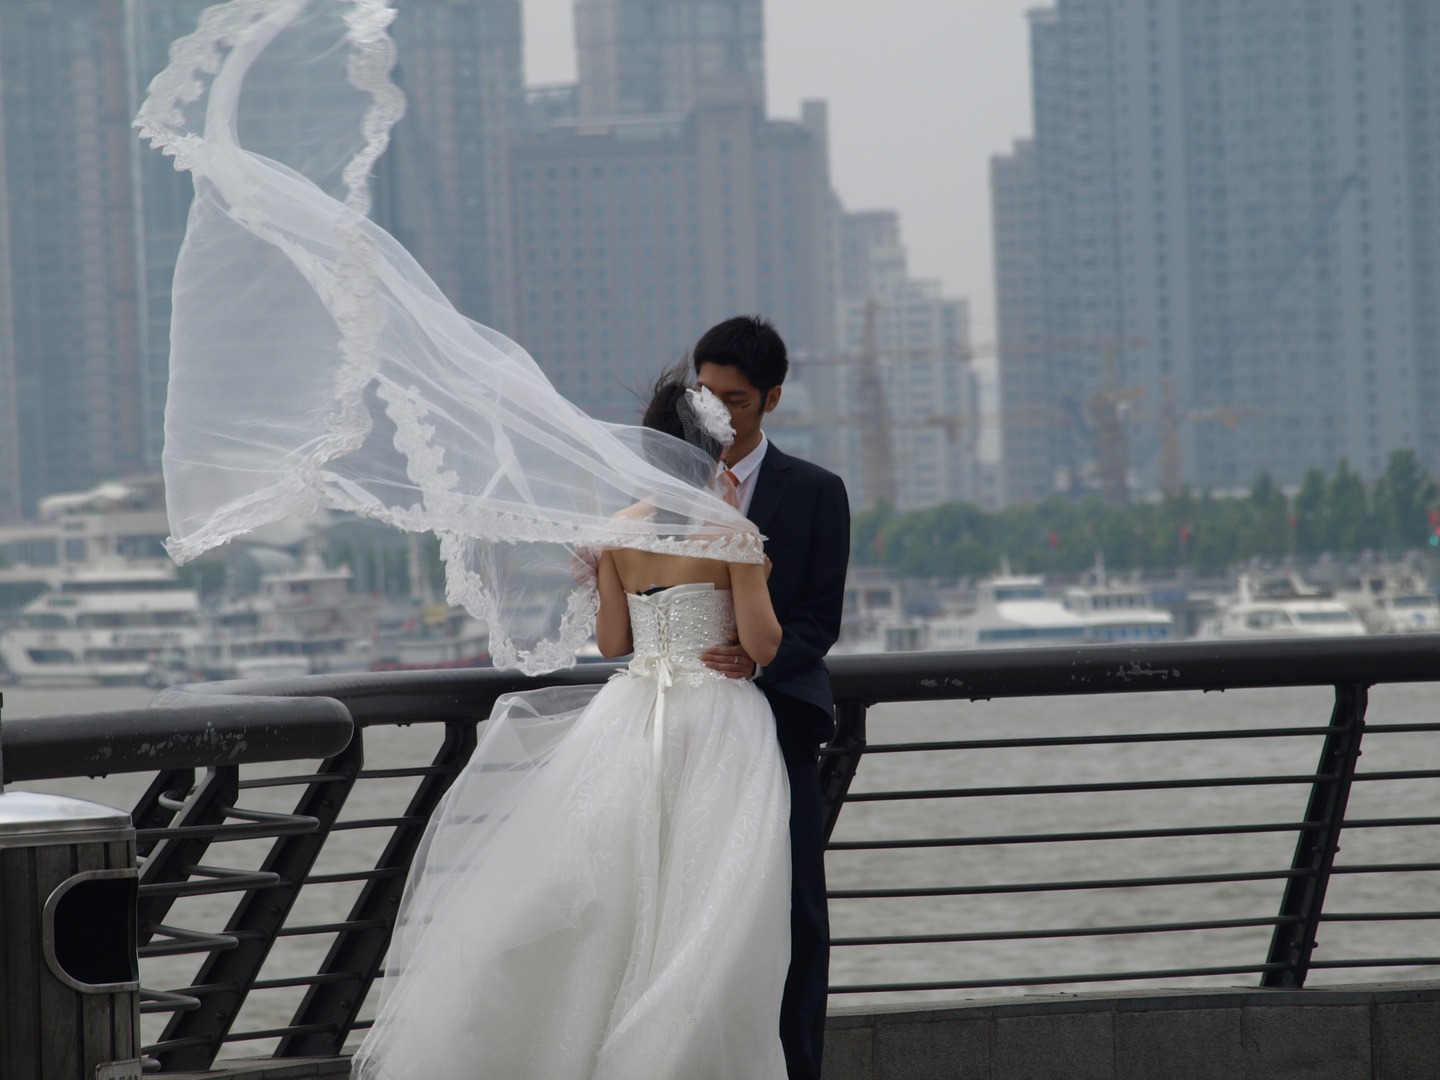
(604, 891)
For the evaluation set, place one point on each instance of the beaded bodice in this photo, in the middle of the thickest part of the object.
(680, 623)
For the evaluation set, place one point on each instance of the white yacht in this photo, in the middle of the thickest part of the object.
(874, 620)
(1121, 612)
(303, 620)
(1010, 610)
(1393, 600)
(442, 637)
(102, 625)
(1281, 605)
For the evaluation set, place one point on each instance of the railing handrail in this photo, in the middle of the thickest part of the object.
(309, 716)
(196, 730)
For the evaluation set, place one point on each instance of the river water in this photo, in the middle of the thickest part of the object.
(993, 864)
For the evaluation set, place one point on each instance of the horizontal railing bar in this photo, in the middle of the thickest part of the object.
(294, 781)
(1082, 789)
(377, 823)
(1066, 932)
(1096, 740)
(209, 988)
(155, 1001)
(1057, 980)
(1386, 868)
(362, 1025)
(1399, 774)
(176, 1044)
(276, 1033)
(1395, 729)
(331, 928)
(237, 882)
(1388, 823)
(187, 941)
(1378, 916)
(356, 875)
(306, 980)
(1379, 961)
(224, 833)
(1068, 886)
(1054, 838)
(395, 774)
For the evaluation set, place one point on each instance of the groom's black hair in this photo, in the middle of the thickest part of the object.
(747, 342)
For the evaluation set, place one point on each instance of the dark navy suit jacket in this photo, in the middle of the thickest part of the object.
(805, 515)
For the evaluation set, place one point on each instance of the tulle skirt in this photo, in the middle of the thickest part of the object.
(573, 916)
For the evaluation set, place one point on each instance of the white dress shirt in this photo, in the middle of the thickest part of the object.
(747, 472)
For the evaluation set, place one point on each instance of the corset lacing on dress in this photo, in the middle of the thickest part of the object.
(669, 630)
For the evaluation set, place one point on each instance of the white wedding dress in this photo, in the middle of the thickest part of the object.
(576, 911)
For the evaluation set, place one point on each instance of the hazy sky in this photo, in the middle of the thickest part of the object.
(921, 93)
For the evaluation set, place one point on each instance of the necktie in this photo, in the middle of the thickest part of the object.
(730, 484)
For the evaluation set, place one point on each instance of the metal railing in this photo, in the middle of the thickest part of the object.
(187, 818)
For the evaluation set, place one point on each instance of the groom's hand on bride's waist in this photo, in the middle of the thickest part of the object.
(731, 660)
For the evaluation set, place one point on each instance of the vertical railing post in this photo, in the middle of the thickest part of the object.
(353, 962)
(258, 917)
(837, 768)
(1304, 899)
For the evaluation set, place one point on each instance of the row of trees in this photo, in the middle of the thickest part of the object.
(1336, 513)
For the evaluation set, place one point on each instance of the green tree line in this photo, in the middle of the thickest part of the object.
(1338, 513)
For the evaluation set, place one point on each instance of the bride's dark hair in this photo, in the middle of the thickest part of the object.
(669, 412)
(662, 413)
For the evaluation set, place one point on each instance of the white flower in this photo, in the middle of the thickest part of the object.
(714, 417)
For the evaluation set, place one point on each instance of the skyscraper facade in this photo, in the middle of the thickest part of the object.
(1212, 260)
(633, 235)
(660, 57)
(69, 352)
(443, 185)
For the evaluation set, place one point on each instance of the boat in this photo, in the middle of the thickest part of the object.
(1393, 600)
(1271, 605)
(303, 620)
(1010, 610)
(1117, 612)
(873, 618)
(102, 624)
(442, 637)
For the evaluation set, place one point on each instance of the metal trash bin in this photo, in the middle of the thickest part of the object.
(69, 975)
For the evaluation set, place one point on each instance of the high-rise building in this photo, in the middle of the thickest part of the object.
(1034, 436)
(894, 408)
(1217, 256)
(633, 235)
(661, 57)
(443, 186)
(70, 410)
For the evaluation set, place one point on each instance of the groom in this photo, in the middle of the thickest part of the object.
(805, 515)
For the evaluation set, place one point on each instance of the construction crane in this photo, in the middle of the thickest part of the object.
(877, 449)
(1172, 478)
(1107, 408)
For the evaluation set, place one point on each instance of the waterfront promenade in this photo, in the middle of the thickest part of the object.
(1053, 955)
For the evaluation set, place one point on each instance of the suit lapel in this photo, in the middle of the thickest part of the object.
(770, 487)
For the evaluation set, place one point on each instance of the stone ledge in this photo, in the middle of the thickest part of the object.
(1384, 1031)
(1381, 1031)
(268, 1069)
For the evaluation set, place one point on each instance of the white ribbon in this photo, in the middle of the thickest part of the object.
(657, 667)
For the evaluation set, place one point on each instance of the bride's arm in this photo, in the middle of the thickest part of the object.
(612, 623)
(755, 620)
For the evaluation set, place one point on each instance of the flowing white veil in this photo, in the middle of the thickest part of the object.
(314, 364)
